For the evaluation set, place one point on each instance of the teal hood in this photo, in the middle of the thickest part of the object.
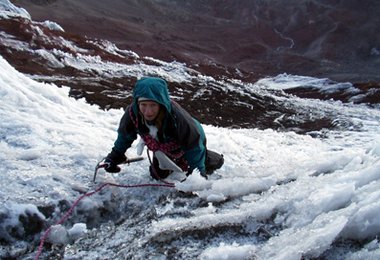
(152, 88)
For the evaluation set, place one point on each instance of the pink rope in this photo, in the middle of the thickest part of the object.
(70, 211)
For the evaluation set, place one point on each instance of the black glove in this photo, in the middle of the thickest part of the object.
(112, 160)
(111, 167)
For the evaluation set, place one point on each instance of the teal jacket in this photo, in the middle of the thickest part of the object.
(178, 125)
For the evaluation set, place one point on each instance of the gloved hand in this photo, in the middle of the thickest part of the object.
(110, 166)
(112, 160)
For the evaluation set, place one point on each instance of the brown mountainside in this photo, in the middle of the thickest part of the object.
(335, 39)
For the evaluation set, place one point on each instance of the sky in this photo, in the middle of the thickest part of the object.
(279, 195)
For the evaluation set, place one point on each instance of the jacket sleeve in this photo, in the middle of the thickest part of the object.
(196, 156)
(191, 137)
(126, 134)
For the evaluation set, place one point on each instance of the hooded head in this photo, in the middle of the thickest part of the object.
(154, 89)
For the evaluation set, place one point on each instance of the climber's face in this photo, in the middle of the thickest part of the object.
(149, 109)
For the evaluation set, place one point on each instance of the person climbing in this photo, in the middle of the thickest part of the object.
(177, 140)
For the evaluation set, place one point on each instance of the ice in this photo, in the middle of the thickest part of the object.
(58, 235)
(77, 231)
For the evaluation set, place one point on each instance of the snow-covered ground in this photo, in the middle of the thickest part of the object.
(306, 194)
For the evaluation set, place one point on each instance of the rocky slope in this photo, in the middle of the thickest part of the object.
(335, 39)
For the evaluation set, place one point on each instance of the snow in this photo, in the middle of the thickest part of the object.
(234, 251)
(324, 85)
(77, 230)
(59, 235)
(53, 26)
(9, 10)
(317, 190)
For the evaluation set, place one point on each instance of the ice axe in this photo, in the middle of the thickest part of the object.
(103, 164)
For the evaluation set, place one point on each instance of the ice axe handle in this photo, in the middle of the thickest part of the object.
(134, 159)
